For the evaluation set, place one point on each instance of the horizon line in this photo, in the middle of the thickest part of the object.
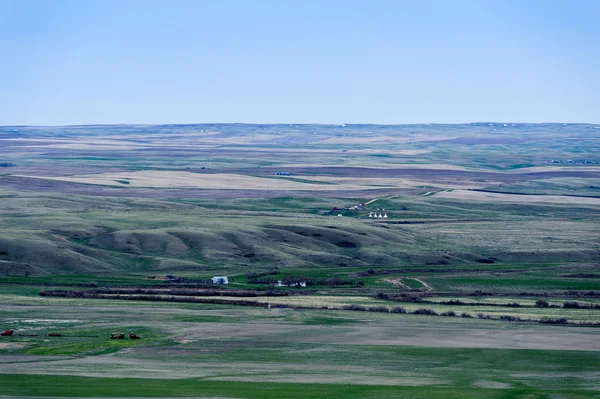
(491, 123)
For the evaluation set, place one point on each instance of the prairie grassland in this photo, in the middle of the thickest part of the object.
(114, 205)
(48, 234)
(475, 146)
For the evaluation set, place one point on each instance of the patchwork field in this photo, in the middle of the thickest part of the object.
(365, 355)
(440, 261)
(227, 181)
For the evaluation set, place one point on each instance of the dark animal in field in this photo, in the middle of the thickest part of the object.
(7, 333)
(117, 336)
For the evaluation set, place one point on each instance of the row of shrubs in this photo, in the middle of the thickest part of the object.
(578, 305)
(353, 307)
(271, 272)
(540, 303)
(544, 320)
(451, 313)
(569, 293)
(188, 292)
(419, 299)
(398, 309)
(88, 295)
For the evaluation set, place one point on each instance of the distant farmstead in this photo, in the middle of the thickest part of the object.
(281, 283)
(220, 280)
(283, 173)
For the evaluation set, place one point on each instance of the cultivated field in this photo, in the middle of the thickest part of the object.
(210, 350)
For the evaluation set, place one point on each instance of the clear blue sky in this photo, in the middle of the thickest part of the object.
(325, 61)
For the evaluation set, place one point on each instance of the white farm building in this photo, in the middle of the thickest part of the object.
(220, 280)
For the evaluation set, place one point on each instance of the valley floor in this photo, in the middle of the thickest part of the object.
(224, 351)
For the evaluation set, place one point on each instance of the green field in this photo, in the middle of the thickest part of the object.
(206, 350)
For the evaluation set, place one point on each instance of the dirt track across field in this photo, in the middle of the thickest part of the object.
(397, 282)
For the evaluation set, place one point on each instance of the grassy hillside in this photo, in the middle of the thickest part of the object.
(47, 234)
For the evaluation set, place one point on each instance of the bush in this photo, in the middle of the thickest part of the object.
(484, 316)
(463, 314)
(514, 305)
(429, 312)
(398, 309)
(449, 313)
(383, 296)
(572, 305)
(509, 318)
(413, 299)
(354, 307)
(549, 320)
(578, 305)
(381, 309)
(540, 303)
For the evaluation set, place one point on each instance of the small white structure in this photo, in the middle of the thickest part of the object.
(379, 215)
(280, 283)
(220, 280)
(339, 214)
(370, 214)
(385, 215)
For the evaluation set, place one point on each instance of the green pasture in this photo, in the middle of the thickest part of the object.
(17, 385)
(230, 351)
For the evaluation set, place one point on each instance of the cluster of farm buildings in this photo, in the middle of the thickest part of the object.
(280, 283)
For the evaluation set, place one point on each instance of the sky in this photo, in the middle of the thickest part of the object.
(298, 61)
